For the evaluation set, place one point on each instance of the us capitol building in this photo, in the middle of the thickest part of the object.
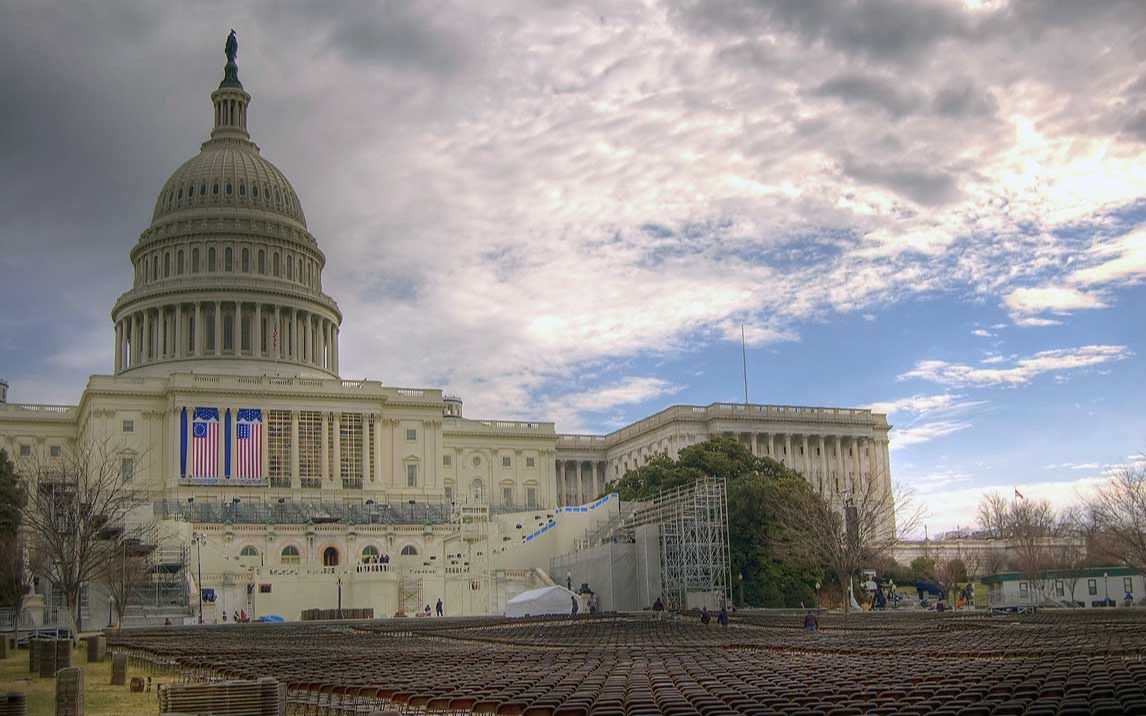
(287, 488)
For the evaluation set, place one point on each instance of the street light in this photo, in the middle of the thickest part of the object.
(1106, 589)
(197, 538)
(340, 597)
(740, 578)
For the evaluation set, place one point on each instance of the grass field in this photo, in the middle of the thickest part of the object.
(100, 697)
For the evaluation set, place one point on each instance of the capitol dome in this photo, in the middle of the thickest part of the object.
(227, 277)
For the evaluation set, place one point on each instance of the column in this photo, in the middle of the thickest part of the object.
(771, 447)
(218, 328)
(376, 447)
(265, 446)
(179, 330)
(325, 446)
(296, 336)
(275, 336)
(807, 459)
(118, 346)
(788, 450)
(257, 332)
(840, 475)
(335, 342)
(337, 447)
(198, 341)
(560, 475)
(754, 450)
(367, 429)
(824, 480)
(294, 472)
(237, 330)
(322, 343)
(857, 465)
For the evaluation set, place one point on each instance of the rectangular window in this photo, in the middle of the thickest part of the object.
(310, 448)
(449, 493)
(278, 448)
(531, 497)
(264, 589)
(411, 434)
(245, 343)
(54, 451)
(126, 469)
(1023, 588)
(1092, 587)
(129, 426)
(505, 462)
(350, 436)
(1127, 585)
(507, 495)
(529, 462)
(447, 460)
(1059, 589)
(411, 475)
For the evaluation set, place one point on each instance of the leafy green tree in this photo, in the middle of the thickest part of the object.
(772, 574)
(11, 502)
(923, 568)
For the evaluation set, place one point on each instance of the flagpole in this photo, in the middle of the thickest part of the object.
(744, 362)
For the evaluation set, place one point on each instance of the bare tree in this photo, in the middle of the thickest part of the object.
(852, 531)
(76, 511)
(950, 573)
(1118, 509)
(1028, 526)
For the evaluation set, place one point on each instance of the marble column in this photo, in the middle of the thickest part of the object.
(118, 345)
(179, 330)
(771, 446)
(197, 333)
(788, 462)
(337, 447)
(218, 328)
(257, 332)
(806, 459)
(295, 478)
(825, 482)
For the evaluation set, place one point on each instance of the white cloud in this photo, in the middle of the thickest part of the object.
(917, 404)
(925, 432)
(1058, 299)
(1023, 370)
(1127, 266)
(568, 408)
(982, 333)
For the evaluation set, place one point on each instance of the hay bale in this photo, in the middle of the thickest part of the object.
(13, 703)
(119, 669)
(136, 685)
(97, 648)
(70, 692)
(46, 659)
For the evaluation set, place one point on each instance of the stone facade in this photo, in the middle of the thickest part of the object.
(227, 328)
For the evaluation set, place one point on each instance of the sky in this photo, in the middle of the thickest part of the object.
(566, 211)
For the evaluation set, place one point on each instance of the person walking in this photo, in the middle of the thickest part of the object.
(722, 618)
(811, 624)
(705, 617)
(659, 608)
(574, 608)
(440, 608)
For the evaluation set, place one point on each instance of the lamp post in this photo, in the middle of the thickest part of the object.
(740, 579)
(411, 511)
(198, 538)
(1106, 588)
(340, 597)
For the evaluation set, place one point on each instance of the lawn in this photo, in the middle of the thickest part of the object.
(100, 697)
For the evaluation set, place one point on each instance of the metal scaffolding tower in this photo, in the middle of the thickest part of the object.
(693, 527)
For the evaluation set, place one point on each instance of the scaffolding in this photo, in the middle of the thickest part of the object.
(692, 522)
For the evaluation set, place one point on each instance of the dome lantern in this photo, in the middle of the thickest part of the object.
(231, 100)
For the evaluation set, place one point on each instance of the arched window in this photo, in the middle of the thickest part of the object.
(246, 260)
(477, 490)
(262, 261)
(228, 188)
(289, 555)
(179, 262)
(290, 268)
(203, 189)
(248, 551)
(242, 189)
(211, 259)
(409, 551)
(369, 553)
(228, 259)
(330, 557)
(215, 189)
(300, 270)
(194, 260)
(166, 264)
(275, 264)
(155, 267)
(179, 196)
(255, 190)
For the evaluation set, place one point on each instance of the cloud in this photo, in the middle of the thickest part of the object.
(982, 333)
(925, 432)
(1074, 466)
(1022, 301)
(923, 185)
(876, 91)
(949, 508)
(922, 404)
(1024, 369)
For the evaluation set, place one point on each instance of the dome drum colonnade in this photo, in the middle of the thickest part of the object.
(227, 267)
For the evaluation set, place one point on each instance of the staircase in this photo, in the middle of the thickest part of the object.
(617, 527)
(164, 595)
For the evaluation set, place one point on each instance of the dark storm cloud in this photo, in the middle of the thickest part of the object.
(880, 92)
(923, 186)
(392, 33)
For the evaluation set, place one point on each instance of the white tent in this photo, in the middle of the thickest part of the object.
(546, 600)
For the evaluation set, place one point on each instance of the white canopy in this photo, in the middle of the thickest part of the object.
(546, 600)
